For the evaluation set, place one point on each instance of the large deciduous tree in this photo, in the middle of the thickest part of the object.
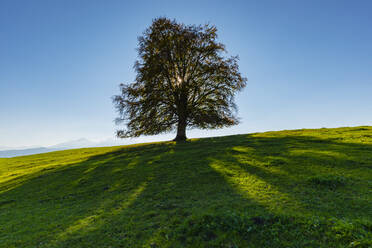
(183, 81)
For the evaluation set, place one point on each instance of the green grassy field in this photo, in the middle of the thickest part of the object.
(300, 188)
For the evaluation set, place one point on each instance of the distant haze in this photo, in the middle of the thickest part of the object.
(7, 152)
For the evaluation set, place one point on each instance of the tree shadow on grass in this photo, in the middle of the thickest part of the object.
(136, 196)
(120, 198)
(304, 174)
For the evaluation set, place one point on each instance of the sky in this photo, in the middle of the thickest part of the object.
(308, 63)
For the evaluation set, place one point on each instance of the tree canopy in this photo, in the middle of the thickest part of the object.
(183, 81)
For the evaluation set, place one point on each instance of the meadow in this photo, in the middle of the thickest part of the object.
(298, 188)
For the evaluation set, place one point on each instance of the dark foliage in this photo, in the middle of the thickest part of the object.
(183, 80)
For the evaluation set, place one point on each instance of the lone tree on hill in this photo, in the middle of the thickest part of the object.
(183, 81)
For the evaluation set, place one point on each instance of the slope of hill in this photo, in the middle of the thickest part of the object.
(300, 188)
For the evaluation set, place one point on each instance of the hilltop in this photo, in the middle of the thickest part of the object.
(299, 188)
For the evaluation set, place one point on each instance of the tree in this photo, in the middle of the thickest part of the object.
(183, 81)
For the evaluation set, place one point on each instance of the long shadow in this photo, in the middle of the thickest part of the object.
(287, 164)
(123, 198)
(142, 187)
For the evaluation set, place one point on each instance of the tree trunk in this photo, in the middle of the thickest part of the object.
(181, 130)
(182, 117)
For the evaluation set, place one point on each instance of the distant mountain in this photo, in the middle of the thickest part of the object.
(79, 143)
(23, 152)
(6, 152)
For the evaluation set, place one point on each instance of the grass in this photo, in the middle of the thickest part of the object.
(300, 188)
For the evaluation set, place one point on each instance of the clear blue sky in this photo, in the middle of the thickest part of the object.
(308, 63)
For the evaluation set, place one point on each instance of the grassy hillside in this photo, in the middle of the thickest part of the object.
(301, 188)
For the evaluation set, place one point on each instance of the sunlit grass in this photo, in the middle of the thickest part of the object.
(300, 188)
